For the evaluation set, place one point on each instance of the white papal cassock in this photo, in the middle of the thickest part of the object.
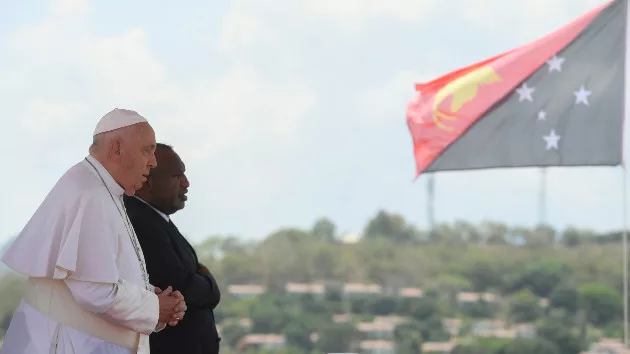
(87, 292)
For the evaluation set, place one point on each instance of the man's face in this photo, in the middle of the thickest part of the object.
(137, 157)
(168, 183)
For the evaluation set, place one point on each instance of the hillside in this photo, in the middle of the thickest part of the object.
(3, 268)
(461, 289)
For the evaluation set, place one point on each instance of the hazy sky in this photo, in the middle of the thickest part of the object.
(283, 110)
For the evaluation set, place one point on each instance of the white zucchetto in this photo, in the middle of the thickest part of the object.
(118, 118)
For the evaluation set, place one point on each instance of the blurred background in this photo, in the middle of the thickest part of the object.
(290, 117)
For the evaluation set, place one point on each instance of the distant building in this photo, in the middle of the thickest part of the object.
(358, 290)
(468, 297)
(377, 347)
(410, 292)
(342, 318)
(244, 322)
(302, 288)
(524, 330)
(489, 328)
(262, 341)
(246, 291)
(397, 320)
(607, 346)
(438, 347)
(453, 326)
(350, 239)
(377, 330)
(498, 329)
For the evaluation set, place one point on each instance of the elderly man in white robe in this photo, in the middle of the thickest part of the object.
(88, 290)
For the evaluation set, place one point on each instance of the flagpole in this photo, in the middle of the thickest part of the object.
(624, 238)
(430, 202)
(542, 201)
(624, 235)
(625, 256)
(626, 115)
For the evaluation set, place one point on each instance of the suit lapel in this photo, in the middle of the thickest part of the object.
(182, 240)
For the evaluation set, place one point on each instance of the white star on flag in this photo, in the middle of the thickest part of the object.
(581, 96)
(542, 115)
(555, 63)
(525, 93)
(552, 140)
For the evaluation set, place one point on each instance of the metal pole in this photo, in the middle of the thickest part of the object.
(626, 115)
(625, 258)
(542, 201)
(430, 201)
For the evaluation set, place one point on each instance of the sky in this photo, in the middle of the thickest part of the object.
(284, 111)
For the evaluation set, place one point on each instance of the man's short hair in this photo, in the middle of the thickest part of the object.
(163, 146)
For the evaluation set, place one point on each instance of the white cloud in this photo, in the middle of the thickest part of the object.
(237, 129)
(249, 23)
(526, 19)
(352, 14)
(61, 78)
(44, 116)
(121, 71)
(238, 109)
(240, 29)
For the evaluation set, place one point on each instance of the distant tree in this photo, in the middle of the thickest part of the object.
(524, 307)
(324, 230)
(286, 236)
(408, 338)
(467, 232)
(494, 233)
(560, 332)
(609, 237)
(571, 237)
(484, 275)
(541, 278)
(482, 346)
(602, 303)
(232, 334)
(268, 318)
(444, 233)
(337, 338)
(432, 329)
(359, 305)
(11, 290)
(541, 236)
(479, 309)
(457, 257)
(382, 306)
(390, 226)
(420, 309)
(232, 244)
(298, 332)
(529, 346)
(564, 297)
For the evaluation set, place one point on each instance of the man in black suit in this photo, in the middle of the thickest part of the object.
(171, 260)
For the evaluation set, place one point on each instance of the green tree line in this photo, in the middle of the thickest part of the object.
(578, 273)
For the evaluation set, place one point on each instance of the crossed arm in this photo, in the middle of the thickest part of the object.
(128, 305)
(166, 268)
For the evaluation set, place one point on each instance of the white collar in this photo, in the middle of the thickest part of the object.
(110, 182)
(166, 217)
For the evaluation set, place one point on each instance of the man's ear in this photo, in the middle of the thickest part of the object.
(115, 148)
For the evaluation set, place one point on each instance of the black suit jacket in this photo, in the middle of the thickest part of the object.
(171, 260)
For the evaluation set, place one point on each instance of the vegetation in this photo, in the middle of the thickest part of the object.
(565, 284)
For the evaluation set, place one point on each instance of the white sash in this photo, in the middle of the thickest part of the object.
(52, 298)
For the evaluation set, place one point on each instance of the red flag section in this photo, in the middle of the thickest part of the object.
(447, 107)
